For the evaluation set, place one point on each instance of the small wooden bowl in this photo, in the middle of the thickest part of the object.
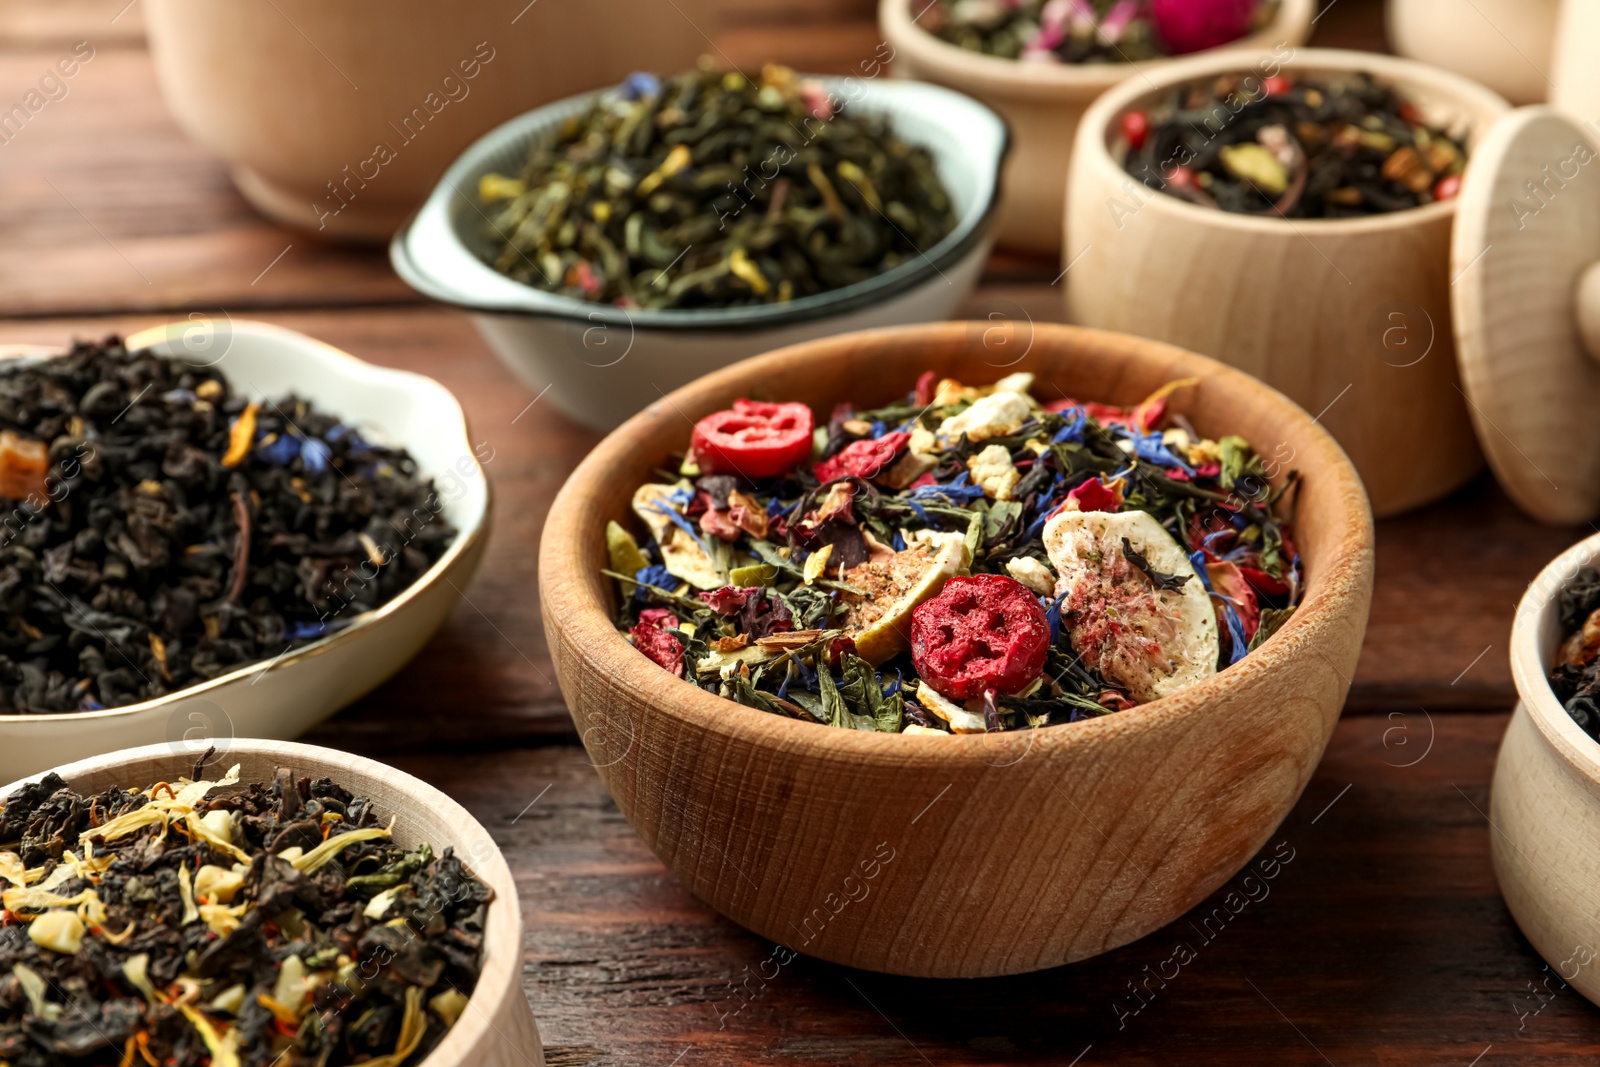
(1349, 317)
(1042, 103)
(967, 855)
(1544, 809)
(498, 1028)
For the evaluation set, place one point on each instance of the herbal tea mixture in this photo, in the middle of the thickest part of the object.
(1576, 675)
(1299, 148)
(206, 923)
(1091, 31)
(709, 190)
(159, 530)
(963, 560)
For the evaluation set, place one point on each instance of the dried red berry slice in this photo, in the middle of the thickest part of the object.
(664, 648)
(864, 459)
(755, 439)
(980, 634)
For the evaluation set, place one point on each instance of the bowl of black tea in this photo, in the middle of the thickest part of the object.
(263, 903)
(617, 245)
(1544, 805)
(217, 533)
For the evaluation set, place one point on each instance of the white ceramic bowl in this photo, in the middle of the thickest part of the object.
(498, 1028)
(284, 697)
(1544, 808)
(601, 364)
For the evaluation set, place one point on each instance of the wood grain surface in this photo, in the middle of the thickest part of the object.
(1384, 941)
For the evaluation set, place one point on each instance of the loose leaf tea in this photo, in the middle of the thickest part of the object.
(1293, 148)
(710, 190)
(161, 530)
(965, 559)
(1576, 675)
(208, 923)
(1091, 31)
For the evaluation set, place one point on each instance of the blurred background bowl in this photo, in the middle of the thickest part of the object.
(1505, 44)
(498, 1029)
(284, 697)
(979, 854)
(601, 363)
(1043, 104)
(1349, 317)
(337, 118)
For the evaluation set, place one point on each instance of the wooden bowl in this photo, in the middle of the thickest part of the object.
(1544, 808)
(338, 118)
(1349, 317)
(965, 855)
(1505, 44)
(498, 1028)
(1043, 103)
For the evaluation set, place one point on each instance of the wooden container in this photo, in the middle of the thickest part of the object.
(338, 118)
(1349, 317)
(1043, 103)
(965, 855)
(1505, 44)
(1544, 810)
(498, 1028)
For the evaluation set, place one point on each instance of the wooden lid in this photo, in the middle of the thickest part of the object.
(1527, 233)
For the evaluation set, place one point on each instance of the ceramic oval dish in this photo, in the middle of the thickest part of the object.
(1544, 808)
(975, 854)
(498, 1028)
(289, 695)
(602, 363)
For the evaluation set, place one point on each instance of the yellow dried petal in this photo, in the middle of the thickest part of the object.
(241, 435)
(58, 931)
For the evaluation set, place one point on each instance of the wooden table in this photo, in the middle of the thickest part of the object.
(1384, 940)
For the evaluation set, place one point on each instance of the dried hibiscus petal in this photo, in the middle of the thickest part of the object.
(663, 648)
(729, 599)
(981, 634)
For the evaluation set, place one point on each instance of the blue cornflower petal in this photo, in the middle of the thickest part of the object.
(301, 631)
(655, 575)
(894, 687)
(878, 429)
(683, 524)
(900, 542)
(314, 455)
(1052, 615)
(281, 451)
(682, 496)
(1072, 432)
(1151, 449)
(639, 84)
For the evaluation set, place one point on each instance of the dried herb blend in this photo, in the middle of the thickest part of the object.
(708, 190)
(1296, 148)
(962, 560)
(159, 530)
(1091, 31)
(1576, 675)
(206, 923)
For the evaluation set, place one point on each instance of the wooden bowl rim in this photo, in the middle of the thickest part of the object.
(1057, 82)
(572, 601)
(500, 975)
(1091, 149)
(1530, 665)
(465, 546)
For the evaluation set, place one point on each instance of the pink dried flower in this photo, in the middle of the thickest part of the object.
(1115, 24)
(1195, 25)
